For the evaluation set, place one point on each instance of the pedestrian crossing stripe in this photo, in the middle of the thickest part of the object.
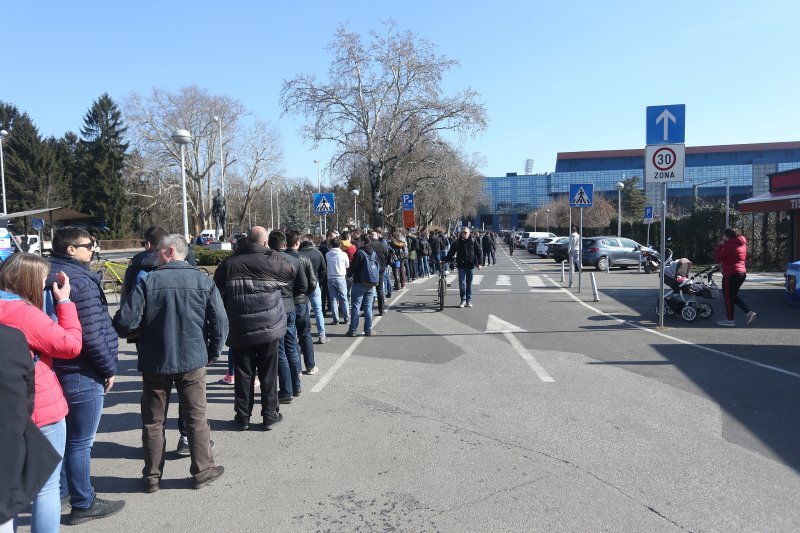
(535, 281)
(581, 198)
(323, 206)
(477, 278)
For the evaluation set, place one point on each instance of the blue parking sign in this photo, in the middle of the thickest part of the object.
(648, 214)
(408, 201)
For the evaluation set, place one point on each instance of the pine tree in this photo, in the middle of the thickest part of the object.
(633, 200)
(99, 184)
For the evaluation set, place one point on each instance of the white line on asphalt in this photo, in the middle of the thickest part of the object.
(526, 355)
(477, 278)
(325, 379)
(503, 280)
(675, 339)
(535, 281)
(495, 290)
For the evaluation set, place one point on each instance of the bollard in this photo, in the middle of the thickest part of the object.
(639, 266)
(562, 271)
(594, 287)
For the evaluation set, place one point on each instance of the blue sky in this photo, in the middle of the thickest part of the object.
(554, 76)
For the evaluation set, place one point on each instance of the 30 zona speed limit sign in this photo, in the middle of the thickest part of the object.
(664, 163)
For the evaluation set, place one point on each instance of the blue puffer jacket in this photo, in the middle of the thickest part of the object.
(100, 343)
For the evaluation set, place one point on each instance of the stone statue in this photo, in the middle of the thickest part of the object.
(219, 211)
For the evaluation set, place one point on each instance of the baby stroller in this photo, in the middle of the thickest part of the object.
(685, 289)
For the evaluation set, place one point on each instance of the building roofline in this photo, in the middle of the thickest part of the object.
(722, 148)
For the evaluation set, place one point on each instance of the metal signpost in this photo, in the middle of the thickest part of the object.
(664, 162)
(580, 195)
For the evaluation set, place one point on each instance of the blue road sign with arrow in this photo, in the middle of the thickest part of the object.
(580, 194)
(324, 203)
(666, 124)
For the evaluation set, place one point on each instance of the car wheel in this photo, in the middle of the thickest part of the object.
(689, 313)
(602, 263)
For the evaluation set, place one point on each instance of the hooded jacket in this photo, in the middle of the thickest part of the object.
(732, 255)
(47, 340)
(250, 287)
(100, 343)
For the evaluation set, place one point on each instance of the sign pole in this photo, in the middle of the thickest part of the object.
(663, 257)
(580, 253)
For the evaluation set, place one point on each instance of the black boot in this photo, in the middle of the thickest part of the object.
(99, 509)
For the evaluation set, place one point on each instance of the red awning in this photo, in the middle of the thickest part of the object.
(772, 201)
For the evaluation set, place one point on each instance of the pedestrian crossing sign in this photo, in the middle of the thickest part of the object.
(580, 194)
(324, 203)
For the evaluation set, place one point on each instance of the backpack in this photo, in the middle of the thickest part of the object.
(370, 269)
(424, 247)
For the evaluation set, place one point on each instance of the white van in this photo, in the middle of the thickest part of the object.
(528, 235)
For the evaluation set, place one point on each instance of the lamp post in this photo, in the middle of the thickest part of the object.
(547, 212)
(619, 186)
(182, 138)
(535, 218)
(3, 134)
(271, 209)
(319, 190)
(355, 192)
(221, 158)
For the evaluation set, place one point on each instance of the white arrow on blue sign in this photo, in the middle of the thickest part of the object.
(581, 194)
(666, 124)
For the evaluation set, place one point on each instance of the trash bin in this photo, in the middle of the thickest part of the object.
(793, 283)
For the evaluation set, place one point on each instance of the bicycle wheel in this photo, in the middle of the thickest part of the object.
(442, 289)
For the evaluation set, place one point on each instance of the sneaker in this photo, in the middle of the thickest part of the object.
(228, 379)
(99, 509)
(344, 321)
(368, 333)
(469, 304)
(296, 394)
(266, 425)
(323, 339)
(751, 316)
(213, 473)
(183, 446)
(351, 333)
(284, 399)
(726, 323)
(257, 384)
(242, 422)
(463, 303)
(312, 370)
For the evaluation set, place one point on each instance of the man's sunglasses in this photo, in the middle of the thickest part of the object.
(88, 245)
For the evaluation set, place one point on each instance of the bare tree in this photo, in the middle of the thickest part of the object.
(379, 93)
(152, 121)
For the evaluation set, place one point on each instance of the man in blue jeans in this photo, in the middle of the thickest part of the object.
(467, 252)
(301, 301)
(362, 295)
(293, 284)
(87, 378)
(313, 254)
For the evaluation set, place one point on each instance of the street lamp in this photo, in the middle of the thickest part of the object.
(271, 209)
(3, 134)
(182, 138)
(535, 218)
(619, 186)
(221, 158)
(319, 190)
(355, 192)
(547, 212)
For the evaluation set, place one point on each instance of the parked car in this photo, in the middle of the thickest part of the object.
(558, 249)
(529, 235)
(541, 246)
(607, 252)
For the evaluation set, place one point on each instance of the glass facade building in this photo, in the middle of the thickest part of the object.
(509, 199)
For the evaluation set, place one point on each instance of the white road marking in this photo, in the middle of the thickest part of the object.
(326, 378)
(476, 279)
(503, 280)
(495, 290)
(535, 281)
(526, 355)
(675, 339)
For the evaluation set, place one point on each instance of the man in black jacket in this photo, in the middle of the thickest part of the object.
(467, 252)
(363, 294)
(311, 253)
(250, 285)
(383, 258)
(292, 285)
(301, 301)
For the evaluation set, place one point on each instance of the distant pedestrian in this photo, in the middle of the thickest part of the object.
(731, 253)
(311, 252)
(467, 252)
(383, 257)
(338, 263)
(487, 247)
(574, 249)
(302, 301)
(182, 327)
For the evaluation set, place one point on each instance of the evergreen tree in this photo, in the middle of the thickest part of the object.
(633, 200)
(294, 209)
(99, 185)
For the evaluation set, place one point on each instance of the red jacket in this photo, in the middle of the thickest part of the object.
(732, 254)
(48, 339)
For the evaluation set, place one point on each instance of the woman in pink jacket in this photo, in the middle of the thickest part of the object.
(22, 279)
(731, 254)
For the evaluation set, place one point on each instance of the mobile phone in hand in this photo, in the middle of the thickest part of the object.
(60, 279)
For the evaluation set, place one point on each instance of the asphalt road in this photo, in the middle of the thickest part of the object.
(536, 410)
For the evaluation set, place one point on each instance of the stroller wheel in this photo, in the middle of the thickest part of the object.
(666, 307)
(689, 313)
(704, 310)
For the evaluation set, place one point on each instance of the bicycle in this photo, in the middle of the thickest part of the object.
(442, 290)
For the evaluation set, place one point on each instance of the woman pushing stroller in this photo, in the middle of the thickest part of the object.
(731, 254)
